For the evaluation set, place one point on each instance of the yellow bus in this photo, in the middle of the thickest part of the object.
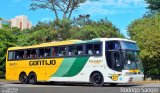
(97, 61)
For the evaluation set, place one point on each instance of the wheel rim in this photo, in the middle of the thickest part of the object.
(98, 79)
(32, 79)
(23, 78)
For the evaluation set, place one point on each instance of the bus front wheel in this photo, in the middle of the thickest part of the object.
(32, 78)
(23, 78)
(97, 79)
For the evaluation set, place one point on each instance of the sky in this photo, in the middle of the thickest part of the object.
(120, 12)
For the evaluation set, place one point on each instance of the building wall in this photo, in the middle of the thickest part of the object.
(21, 22)
(15, 22)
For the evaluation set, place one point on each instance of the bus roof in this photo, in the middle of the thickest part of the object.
(54, 43)
(112, 39)
(67, 42)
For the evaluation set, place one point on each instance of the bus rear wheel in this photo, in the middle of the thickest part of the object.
(23, 78)
(32, 78)
(97, 79)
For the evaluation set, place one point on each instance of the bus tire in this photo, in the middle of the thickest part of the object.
(32, 78)
(97, 79)
(23, 78)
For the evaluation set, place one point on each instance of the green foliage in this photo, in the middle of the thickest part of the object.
(8, 38)
(93, 29)
(41, 33)
(146, 32)
(153, 6)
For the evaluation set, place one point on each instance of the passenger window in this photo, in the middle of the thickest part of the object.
(94, 49)
(44, 52)
(27, 54)
(41, 52)
(97, 49)
(71, 51)
(89, 49)
(33, 53)
(19, 54)
(79, 50)
(62, 51)
(54, 51)
(30, 53)
(11, 55)
(47, 52)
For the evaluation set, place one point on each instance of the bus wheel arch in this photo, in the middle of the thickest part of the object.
(32, 77)
(23, 78)
(97, 79)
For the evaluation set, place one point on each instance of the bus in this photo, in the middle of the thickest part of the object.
(97, 62)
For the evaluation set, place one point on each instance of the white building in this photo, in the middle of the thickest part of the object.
(21, 22)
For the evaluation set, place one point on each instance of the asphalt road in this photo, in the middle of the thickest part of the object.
(77, 88)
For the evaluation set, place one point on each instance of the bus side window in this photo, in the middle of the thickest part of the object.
(71, 50)
(33, 53)
(28, 53)
(62, 51)
(97, 49)
(41, 52)
(47, 52)
(54, 51)
(79, 49)
(89, 49)
(11, 55)
(19, 54)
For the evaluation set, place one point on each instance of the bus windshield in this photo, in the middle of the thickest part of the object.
(122, 55)
(125, 45)
(131, 60)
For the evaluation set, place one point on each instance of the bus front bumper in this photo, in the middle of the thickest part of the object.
(132, 78)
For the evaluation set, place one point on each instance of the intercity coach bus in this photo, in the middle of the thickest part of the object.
(97, 61)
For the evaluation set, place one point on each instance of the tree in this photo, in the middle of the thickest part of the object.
(95, 29)
(146, 32)
(82, 20)
(41, 33)
(153, 6)
(64, 6)
(8, 38)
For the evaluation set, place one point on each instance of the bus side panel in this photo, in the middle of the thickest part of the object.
(11, 70)
(70, 69)
(52, 69)
(14, 69)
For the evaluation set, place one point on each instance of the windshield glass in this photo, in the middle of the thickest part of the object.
(125, 45)
(131, 60)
